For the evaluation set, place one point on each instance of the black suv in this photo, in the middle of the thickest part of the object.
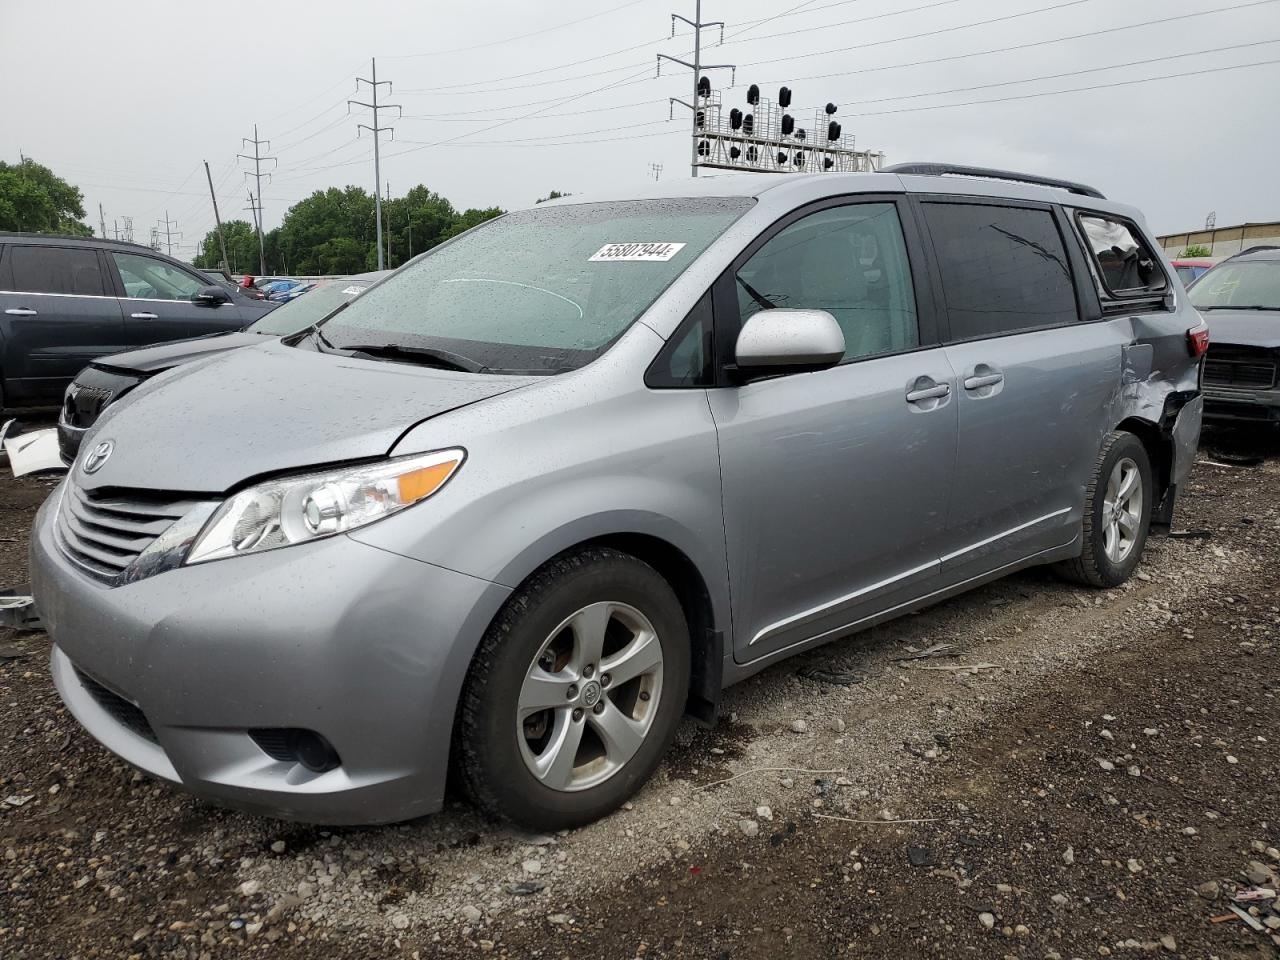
(65, 301)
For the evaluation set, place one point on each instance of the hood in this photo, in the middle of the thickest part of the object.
(162, 356)
(206, 427)
(1246, 328)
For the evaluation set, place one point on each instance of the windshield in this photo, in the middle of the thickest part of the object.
(1239, 285)
(308, 309)
(538, 291)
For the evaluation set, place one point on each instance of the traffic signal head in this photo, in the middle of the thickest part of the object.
(735, 119)
(833, 131)
(749, 124)
(784, 97)
(788, 124)
(704, 86)
(753, 95)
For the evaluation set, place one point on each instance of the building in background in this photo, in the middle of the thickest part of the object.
(1224, 241)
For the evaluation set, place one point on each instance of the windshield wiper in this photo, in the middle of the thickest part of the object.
(427, 356)
(1232, 306)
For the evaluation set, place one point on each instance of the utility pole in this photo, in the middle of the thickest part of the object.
(655, 171)
(128, 229)
(697, 67)
(222, 241)
(168, 232)
(376, 130)
(388, 226)
(102, 221)
(255, 208)
(115, 223)
(257, 159)
(410, 257)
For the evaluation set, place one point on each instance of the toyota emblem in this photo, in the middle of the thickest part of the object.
(98, 456)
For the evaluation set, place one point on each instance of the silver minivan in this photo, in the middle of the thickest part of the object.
(509, 516)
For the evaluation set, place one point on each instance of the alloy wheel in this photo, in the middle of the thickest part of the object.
(590, 696)
(1122, 510)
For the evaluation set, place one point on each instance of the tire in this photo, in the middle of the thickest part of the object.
(1097, 566)
(505, 745)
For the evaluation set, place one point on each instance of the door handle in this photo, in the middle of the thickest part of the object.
(20, 312)
(989, 380)
(929, 393)
(143, 316)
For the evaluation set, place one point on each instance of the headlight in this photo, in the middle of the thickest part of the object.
(292, 510)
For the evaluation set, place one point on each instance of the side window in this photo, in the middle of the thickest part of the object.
(71, 270)
(850, 261)
(150, 279)
(1125, 264)
(1004, 269)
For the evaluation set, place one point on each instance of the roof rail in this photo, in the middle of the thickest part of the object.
(988, 173)
(1254, 249)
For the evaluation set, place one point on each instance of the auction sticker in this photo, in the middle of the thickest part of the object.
(632, 252)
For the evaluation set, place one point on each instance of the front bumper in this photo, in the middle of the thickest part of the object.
(367, 648)
(1241, 406)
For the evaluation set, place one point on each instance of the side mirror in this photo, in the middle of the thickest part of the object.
(212, 295)
(788, 341)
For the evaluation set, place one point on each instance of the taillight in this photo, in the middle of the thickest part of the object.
(1198, 340)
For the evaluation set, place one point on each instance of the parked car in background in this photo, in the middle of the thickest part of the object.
(1190, 269)
(563, 478)
(295, 292)
(105, 381)
(273, 287)
(1240, 300)
(65, 301)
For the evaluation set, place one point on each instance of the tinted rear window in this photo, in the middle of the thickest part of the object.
(55, 270)
(1004, 269)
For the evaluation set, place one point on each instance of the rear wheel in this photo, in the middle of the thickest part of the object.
(575, 692)
(1117, 514)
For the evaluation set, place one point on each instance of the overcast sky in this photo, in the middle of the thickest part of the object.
(125, 99)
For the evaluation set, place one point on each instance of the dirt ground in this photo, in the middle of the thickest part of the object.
(1078, 774)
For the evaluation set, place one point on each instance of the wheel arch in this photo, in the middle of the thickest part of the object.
(657, 543)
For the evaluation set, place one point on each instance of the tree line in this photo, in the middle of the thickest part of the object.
(333, 231)
(330, 232)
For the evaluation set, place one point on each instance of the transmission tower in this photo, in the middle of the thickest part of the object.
(701, 89)
(257, 175)
(167, 226)
(127, 232)
(655, 171)
(376, 130)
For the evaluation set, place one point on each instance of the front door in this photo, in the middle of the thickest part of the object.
(1035, 383)
(835, 483)
(56, 315)
(159, 302)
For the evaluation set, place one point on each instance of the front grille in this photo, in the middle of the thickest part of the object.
(125, 712)
(91, 392)
(104, 532)
(1242, 374)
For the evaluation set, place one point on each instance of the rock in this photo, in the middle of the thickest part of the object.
(1060, 899)
(1068, 856)
(1150, 731)
(253, 928)
(306, 890)
(1135, 771)
(532, 867)
(1106, 735)
(525, 888)
(837, 725)
(250, 888)
(1189, 831)
(987, 920)
(1169, 943)
(471, 913)
(749, 827)
(1106, 765)
(1210, 889)
(558, 919)
(278, 847)
(1231, 759)
(764, 813)
(799, 726)
(1134, 866)
(787, 782)
(400, 921)
(921, 856)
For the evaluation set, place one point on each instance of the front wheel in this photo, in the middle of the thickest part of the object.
(1117, 514)
(575, 692)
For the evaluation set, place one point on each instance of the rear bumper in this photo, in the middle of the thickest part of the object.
(365, 647)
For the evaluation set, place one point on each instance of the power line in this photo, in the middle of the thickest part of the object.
(523, 36)
(1023, 46)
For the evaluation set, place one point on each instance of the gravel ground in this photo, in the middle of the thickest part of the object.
(1077, 774)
